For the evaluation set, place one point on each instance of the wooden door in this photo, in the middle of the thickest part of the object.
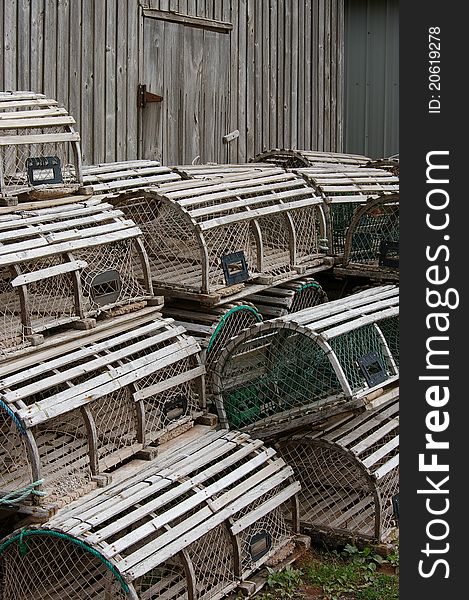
(189, 66)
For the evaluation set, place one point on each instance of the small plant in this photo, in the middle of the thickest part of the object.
(393, 557)
(283, 584)
(366, 558)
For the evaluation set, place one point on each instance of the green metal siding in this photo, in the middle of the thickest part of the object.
(372, 77)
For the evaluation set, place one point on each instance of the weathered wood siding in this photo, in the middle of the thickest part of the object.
(282, 85)
(84, 53)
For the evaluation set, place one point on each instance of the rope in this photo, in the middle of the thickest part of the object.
(226, 316)
(19, 495)
(23, 549)
(308, 285)
(13, 417)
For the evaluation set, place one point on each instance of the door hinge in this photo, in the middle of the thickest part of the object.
(144, 96)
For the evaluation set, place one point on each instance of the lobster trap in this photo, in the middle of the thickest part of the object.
(372, 241)
(125, 176)
(217, 170)
(213, 327)
(288, 297)
(349, 474)
(40, 153)
(195, 523)
(75, 410)
(63, 261)
(209, 239)
(344, 192)
(304, 367)
(295, 159)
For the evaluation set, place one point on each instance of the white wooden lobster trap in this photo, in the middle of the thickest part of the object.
(121, 177)
(294, 159)
(76, 410)
(218, 170)
(62, 261)
(213, 327)
(371, 246)
(306, 366)
(40, 153)
(288, 297)
(344, 192)
(194, 524)
(349, 474)
(208, 240)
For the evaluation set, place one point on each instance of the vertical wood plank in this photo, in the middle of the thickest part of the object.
(294, 96)
(2, 47)
(340, 144)
(265, 138)
(110, 80)
(287, 77)
(23, 50)
(327, 75)
(9, 41)
(133, 70)
(242, 73)
(307, 74)
(37, 42)
(50, 48)
(63, 43)
(87, 75)
(320, 108)
(233, 147)
(193, 61)
(99, 95)
(250, 87)
(335, 42)
(301, 115)
(314, 74)
(258, 99)
(280, 72)
(74, 57)
(121, 80)
(273, 73)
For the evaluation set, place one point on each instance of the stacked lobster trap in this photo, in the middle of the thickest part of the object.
(220, 239)
(304, 367)
(74, 411)
(349, 474)
(362, 215)
(195, 523)
(295, 159)
(64, 261)
(39, 149)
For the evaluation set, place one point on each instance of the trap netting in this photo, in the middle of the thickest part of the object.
(372, 240)
(213, 327)
(178, 528)
(40, 153)
(349, 474)
(288, 297)
(207, 236)
(344, 190)
(294, 158)
(92, 402)
(61, 262)
(278, 373)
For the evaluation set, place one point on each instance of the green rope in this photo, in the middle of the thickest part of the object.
(226, 316)
(23, 549)
(20, 495)
(308, 285)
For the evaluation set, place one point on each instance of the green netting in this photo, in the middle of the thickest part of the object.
(390, 330)
(341, 215)
(377, 227)
(270, 373)
(352, 347)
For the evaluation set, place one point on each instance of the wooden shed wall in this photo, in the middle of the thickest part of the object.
(285, 75)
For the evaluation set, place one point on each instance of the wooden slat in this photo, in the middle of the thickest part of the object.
(121, 376)
(127, 233)
(40, 274)
(35, 123)
(376, 456)
(45, 138)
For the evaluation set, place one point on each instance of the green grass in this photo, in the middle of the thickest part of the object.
(351, 574)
